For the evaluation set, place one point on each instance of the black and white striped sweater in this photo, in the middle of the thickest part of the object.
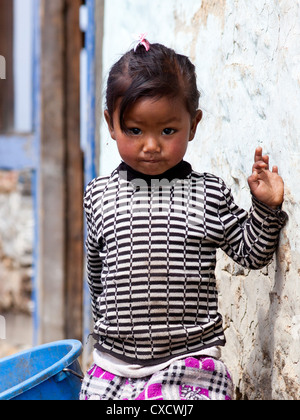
(151, 259)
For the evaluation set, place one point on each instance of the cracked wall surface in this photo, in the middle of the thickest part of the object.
(248, 63)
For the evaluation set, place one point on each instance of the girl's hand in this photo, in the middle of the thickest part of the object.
(266, 186)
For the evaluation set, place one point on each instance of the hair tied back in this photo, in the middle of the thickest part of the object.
(142, 41)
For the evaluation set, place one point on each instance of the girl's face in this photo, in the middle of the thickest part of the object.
(157, 135)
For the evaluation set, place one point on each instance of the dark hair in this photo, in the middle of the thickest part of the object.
(155, 73)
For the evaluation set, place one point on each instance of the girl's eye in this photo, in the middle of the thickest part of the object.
(168, 131)
(135, 131)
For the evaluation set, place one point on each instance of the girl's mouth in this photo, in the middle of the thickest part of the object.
(151, 161)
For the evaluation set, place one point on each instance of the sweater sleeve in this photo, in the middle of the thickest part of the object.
(250, 239)
(94, 263)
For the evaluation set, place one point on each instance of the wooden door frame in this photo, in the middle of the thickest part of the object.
(61, 173)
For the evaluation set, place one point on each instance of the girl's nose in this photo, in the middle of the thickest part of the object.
(151, 145)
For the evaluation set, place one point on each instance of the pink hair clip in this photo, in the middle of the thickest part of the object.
(142, 41)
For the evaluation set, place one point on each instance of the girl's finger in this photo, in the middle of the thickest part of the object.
(260, 166)
(258, 154)
(266, 159)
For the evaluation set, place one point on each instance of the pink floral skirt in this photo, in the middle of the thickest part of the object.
(201, 378)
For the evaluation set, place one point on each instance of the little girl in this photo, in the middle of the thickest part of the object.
(154, 226)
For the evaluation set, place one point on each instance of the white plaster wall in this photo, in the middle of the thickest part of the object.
(247, 55)
(23, 45)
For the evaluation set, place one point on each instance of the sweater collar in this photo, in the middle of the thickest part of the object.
(180, 171)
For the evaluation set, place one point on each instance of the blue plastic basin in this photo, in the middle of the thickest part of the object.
(38, 373)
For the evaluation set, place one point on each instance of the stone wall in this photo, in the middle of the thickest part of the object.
(16, 242)
(248, 62)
